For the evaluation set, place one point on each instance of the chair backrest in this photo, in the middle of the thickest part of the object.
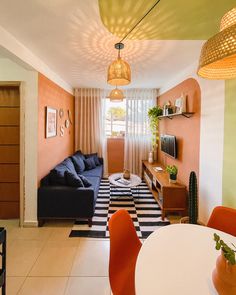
(124, 249)
(224, 219)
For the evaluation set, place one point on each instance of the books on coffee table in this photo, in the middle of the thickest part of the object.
(123, 181)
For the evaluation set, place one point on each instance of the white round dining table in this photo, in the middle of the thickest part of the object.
(178, 259)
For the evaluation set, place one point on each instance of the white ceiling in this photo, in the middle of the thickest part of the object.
(69, 37)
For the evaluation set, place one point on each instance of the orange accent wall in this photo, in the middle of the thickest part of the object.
(187, 131)
(115, 154)
(53, 150)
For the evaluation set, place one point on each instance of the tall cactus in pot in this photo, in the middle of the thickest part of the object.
(193, 198)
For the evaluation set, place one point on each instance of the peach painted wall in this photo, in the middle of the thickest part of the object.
(115, 154)
(53, 150)
(187, 131)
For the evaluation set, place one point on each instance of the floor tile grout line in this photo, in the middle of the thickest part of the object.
(45, 242)
(21, 286)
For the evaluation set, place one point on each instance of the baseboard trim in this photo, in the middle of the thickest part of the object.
(30, 224)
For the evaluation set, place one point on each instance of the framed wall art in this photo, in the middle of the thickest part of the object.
(51, 122)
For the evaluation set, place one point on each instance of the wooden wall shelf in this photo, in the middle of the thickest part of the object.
(170, 116)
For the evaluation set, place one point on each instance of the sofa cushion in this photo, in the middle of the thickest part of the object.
(95, 183)
(85, 180)
(95, 157)
(79, 153)
(89, 163)
(57, 175)
(78, 161)
(96, 172)
(73, 179)
(96, 160)
(70, 165)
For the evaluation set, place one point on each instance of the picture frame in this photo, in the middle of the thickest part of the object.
(180, 104)
(51, 122)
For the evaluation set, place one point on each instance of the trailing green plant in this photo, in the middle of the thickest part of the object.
(193, 198)
(153, 114)
(228, 252)
(172, 170)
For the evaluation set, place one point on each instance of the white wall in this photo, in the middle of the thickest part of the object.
(16, 48)
(211, 139)
(10, 71)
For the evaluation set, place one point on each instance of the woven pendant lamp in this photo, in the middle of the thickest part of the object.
(119, 72)
(116, 95)
(218, 55)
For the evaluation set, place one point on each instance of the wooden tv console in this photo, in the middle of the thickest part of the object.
(170, 197)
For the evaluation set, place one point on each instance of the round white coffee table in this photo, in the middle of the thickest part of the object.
(116, 180)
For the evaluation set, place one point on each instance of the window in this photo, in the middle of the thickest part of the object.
(115, 118)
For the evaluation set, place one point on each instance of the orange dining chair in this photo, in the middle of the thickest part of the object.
(224, 219)
(124, 249)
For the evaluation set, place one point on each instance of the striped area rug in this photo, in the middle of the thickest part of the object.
(139, 202)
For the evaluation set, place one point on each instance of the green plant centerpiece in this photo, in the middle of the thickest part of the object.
(173, 171)
(153, 114)
(228, 252)
(224, 274)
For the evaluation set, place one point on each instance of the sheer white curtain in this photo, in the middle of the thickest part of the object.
(138, 136)
(90, 135)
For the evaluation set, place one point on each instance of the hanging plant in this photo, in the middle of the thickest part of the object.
(153, 114)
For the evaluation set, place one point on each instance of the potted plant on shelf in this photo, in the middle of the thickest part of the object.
(153, 114)
(172, 170)
(224, 275)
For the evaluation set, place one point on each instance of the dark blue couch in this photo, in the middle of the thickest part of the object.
(56, 199)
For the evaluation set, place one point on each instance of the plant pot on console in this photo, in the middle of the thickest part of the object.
(173, 178)
(172, 170)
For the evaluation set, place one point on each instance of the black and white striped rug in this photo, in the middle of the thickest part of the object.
(139, 202)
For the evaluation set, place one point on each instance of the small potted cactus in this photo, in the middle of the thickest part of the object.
(172, 170)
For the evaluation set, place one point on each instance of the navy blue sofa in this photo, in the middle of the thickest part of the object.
(57, 199)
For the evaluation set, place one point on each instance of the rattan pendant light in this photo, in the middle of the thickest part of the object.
(119, 72)
(218, 55)
(116, 95)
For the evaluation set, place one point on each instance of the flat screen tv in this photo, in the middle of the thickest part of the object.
(169, 145)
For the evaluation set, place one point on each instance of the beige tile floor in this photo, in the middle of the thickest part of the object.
(44, 261)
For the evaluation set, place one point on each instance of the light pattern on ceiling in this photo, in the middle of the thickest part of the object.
(170, 20)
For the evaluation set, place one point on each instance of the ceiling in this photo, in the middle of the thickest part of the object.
(170, 19)
(70, 37)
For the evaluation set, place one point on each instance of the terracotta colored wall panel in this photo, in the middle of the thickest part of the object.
(115, 154)
(53, 150)
(187, 131)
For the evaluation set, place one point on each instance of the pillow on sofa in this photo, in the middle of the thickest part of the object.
(80, 154)
(73, 180)
(95, 158)
(57, 175)
(70, 165)
(78, 161)
(85, 181)
(89, 163)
